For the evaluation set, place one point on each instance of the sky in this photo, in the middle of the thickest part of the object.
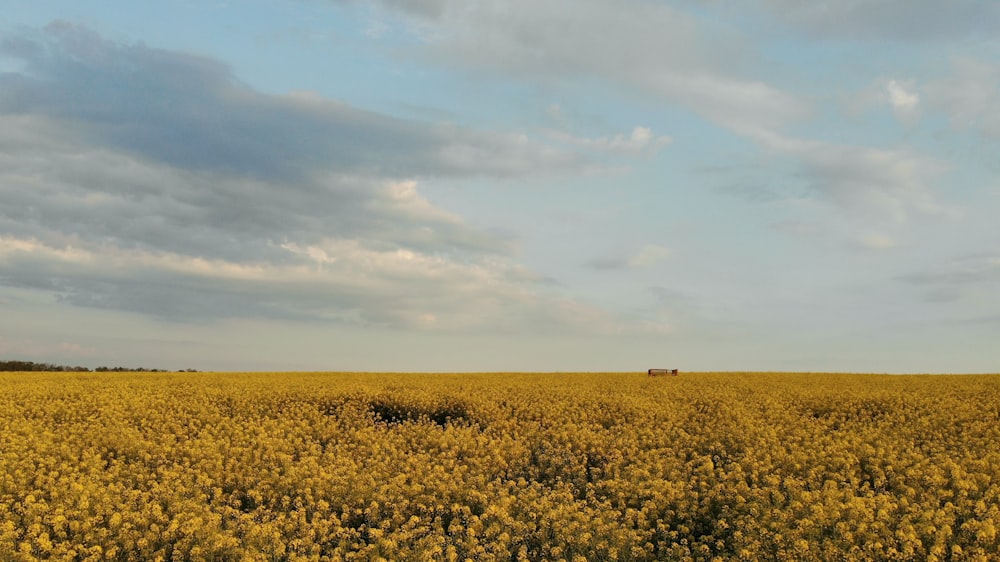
(544, 185)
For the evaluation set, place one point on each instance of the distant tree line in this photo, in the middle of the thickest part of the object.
(32, 366)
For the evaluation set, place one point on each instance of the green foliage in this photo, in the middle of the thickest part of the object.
(30, 366)
(254, 466)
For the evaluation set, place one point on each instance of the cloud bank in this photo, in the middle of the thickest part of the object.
(152, 181)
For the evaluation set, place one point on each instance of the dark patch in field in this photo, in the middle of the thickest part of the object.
(850, 412)
(391, 411)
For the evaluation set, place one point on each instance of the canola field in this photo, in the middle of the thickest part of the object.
(489, 467)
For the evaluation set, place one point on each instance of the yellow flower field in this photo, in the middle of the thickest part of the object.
(327, 466)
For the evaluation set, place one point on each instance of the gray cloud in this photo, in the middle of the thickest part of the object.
(646, 256)
(56, 188)
(970, 96)
(144, 148)
(869, 183)
(972, 270)
(651, 48)
(910, 20)
(342, 282)
(423, 8)
(674, 53)
(889, 182)
(972, 279)
(192, 113)
(154, 182)
(608, 263)
(991, 319)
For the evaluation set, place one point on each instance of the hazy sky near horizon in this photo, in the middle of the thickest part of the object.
(482, 186)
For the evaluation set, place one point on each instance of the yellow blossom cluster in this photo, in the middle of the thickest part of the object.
(489, 467)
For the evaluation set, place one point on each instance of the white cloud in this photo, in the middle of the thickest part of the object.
(401, 199)
(748, 107)
(904, 100)
(902, 97)
(640, 141)
(335, 280)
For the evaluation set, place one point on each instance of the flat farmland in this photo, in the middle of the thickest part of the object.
(595, 466)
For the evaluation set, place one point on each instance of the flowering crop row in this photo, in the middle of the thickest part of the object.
(723, 466)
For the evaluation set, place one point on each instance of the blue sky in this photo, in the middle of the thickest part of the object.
(545, 185)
